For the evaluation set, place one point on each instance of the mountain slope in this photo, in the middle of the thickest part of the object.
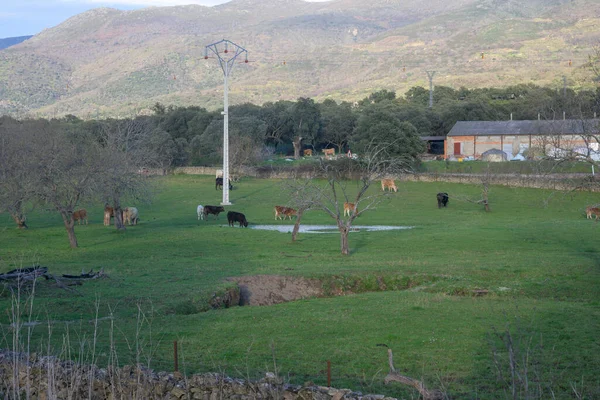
(110, 62)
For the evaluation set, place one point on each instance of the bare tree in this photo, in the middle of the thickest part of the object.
(126, 151)
(67, 169)
(16, 156)
(346, 181)
(243, 151)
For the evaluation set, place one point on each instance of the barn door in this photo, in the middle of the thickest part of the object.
(457, 147)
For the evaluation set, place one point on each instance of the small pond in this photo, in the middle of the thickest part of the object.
(328, 228)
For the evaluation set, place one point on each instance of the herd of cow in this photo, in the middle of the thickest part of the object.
(282, 212)
(130, 215)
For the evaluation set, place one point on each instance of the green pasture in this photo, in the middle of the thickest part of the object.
(535, 254)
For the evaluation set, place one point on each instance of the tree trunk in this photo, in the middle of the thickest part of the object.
(118, 215)
(119, 225)
(297, 147)
(344, 239)
(484, 195)
(297, 224)
(70, 227)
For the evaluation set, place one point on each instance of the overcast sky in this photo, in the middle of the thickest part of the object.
(28, 17)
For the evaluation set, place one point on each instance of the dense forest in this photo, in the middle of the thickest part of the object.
(193, 136)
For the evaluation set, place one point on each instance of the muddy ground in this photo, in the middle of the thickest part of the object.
(265, 290)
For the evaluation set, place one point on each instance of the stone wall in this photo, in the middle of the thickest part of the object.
(39, 378)
(549, 181)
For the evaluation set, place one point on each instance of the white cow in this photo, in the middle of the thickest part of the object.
(130, 215)
(200, 212)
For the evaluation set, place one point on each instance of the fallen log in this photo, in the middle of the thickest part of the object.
(29, 273)
(88, 275)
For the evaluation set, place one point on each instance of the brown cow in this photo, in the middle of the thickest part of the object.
(80, 215)
(307, 153)
(279, 211)
(285, 211)
(592, 211)
(109, 212)
(329, 152)
(389, 184)
(288, 212)
(349, 208)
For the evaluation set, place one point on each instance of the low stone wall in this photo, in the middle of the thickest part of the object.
(49, 378)
(195, 170)
(549, 181)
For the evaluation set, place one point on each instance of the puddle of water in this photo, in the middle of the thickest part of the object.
(327, 228)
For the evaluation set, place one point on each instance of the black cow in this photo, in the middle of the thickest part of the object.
(219, 183)
(233, 217)
(214, 210)
(442, 199)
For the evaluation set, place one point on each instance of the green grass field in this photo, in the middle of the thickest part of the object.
(540, 266)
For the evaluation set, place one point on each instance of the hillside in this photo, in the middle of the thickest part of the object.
(110, 62)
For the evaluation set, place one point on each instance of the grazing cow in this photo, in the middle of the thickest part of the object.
(307, 153)
(388, 183)
(288, 212)
(329, 152)
(109, 212)
(219, 183)
(349, 208)
(442, 199)
(233, 217)
(200, 211)
(214, 210)
(592, 211)
(80, 215)
(130, 215)
(279, 211)
(285, 211)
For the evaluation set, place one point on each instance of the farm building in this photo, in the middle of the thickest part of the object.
(518, 139)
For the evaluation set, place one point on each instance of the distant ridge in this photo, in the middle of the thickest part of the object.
(108, 63)
(11, 41)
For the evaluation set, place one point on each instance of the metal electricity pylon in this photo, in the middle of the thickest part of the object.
(226, 52)
(430, 75)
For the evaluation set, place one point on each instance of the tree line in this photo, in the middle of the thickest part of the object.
(193, 135)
